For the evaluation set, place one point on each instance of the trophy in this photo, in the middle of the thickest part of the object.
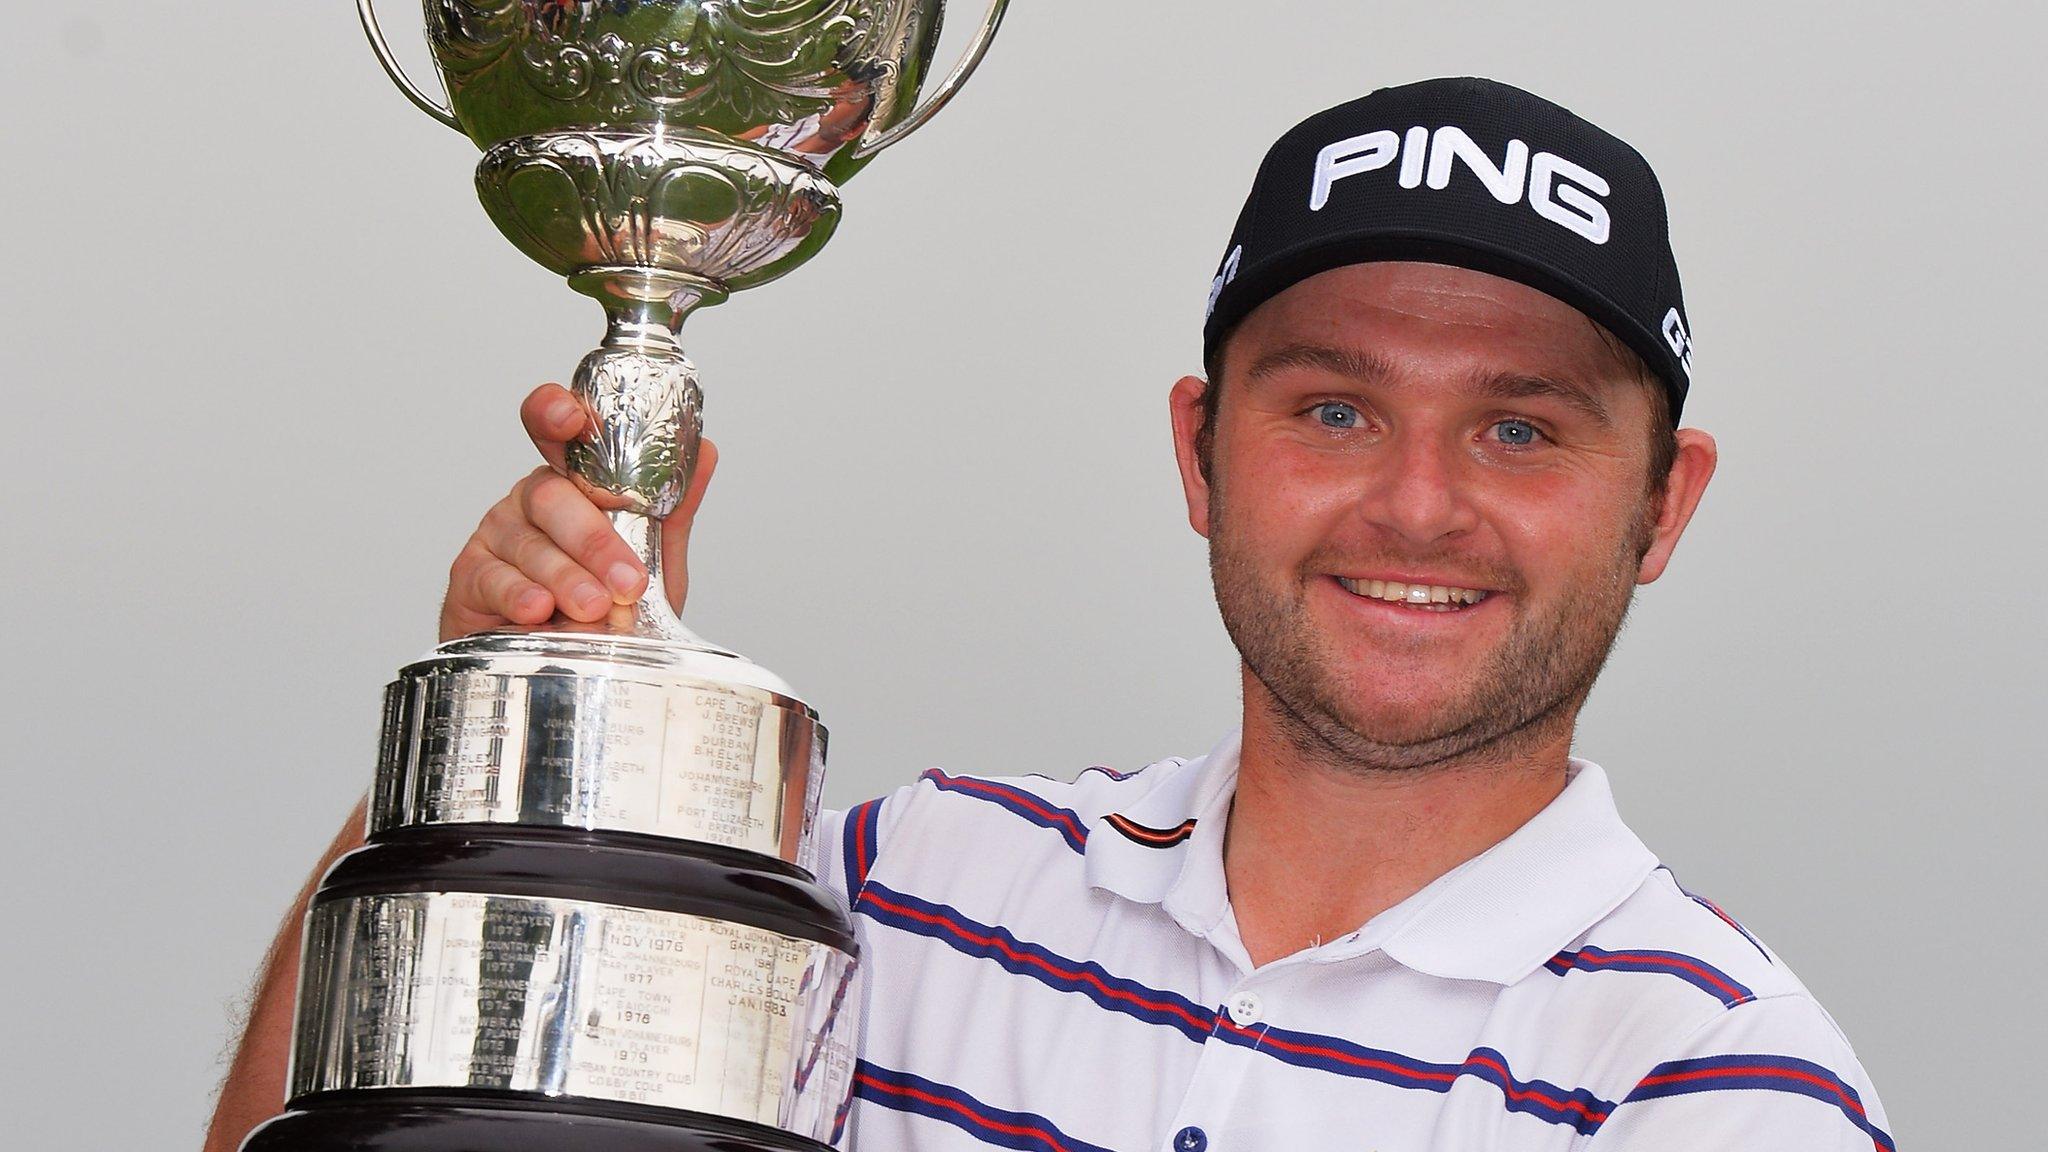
(583, 916)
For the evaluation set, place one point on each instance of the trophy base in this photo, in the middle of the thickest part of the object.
(462, 1122)
(595, 972)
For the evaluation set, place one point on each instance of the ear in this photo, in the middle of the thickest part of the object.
(1683, 487)
(1185, 402)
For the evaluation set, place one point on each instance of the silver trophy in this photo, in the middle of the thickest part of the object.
(583, 917)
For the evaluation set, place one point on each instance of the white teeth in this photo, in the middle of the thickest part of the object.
(1427, 595)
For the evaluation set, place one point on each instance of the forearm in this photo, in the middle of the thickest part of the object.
(255, 1085)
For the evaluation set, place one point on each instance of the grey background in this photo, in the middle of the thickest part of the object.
(262, 355)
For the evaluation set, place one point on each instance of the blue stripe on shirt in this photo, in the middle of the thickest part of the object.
(1575, 1107)
(1690, 969)
(990, 942)
(1029, 805)
(1024, 1131)
(1760, 1073)
(860, 840)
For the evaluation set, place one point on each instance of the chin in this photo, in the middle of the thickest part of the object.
(1388, 694)
(1403, 721)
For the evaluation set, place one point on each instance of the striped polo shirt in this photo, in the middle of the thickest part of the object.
(1054, 967)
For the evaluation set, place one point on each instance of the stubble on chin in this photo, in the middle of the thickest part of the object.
(1519, 695)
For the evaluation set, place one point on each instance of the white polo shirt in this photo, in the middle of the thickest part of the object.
(1054, 967)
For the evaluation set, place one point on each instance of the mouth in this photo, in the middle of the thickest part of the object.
(1417, 597)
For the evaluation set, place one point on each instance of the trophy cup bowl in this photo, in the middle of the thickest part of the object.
(584, 916)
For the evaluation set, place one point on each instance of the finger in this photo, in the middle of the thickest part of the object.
(700, 480)
(552, 416)
(675, 531)
(558, 508)
(502, 590)
(528, 551)
(484, 592)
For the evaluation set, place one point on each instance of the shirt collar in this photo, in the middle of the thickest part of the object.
(1186, 877)
(1500, 915)
(1497, 917)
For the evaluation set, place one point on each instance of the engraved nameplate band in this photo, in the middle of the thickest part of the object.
(548, 742)
(573, 998)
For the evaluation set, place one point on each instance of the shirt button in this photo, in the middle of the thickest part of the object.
(1245, 1008)
(1190, 1139)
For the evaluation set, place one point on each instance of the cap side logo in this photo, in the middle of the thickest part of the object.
(1224, 276)
(1676, 335)
(1557, 189)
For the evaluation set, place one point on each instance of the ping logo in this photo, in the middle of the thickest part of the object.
(1224, 276)
(1680, 340)
(1559, 190)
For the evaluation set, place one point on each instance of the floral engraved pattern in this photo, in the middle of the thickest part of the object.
(577, 199)
(642, 444)
(468, 35)
(746, 62)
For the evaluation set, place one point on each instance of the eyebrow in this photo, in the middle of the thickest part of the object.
(1517, 386)
(1341, 361)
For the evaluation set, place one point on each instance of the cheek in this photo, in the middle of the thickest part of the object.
(1280, 495)
(1557, 530)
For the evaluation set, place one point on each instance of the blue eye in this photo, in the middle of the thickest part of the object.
(1516, 433)
(1337, 414)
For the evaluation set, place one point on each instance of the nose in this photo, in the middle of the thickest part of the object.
(1417, 489)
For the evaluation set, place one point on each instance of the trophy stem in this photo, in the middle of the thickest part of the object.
(651, 616)
(638, 449)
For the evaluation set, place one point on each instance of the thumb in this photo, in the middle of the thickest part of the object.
(552, 415)
(675, 531)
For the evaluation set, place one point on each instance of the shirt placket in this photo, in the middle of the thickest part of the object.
(1204, 1117)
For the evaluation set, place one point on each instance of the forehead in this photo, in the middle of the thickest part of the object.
(1433, 320)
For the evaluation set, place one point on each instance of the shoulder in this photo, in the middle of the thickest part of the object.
(1710, 1040)
(1664, 929)
(1007, 805)
(1662, 965)
(1772, 1072)
(945, 817)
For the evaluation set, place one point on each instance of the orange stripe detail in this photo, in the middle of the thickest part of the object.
(1152, 837)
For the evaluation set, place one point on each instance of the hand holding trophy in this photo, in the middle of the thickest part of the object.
(582, 918)
(544, 548)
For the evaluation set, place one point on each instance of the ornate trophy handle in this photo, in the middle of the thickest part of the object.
(367, 11)
(939, 96)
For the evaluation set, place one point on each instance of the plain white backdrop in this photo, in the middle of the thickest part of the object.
(262, 355)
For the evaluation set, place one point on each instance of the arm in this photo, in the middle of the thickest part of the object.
(254, 1089)
(544, 548)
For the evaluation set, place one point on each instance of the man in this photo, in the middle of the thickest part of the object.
(1435, 450)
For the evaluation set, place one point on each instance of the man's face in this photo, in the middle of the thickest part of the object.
(1390, 427)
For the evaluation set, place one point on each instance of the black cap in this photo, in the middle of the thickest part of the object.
(1472, 173)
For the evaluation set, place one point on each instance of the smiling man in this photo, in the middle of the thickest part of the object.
(1435, 450)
